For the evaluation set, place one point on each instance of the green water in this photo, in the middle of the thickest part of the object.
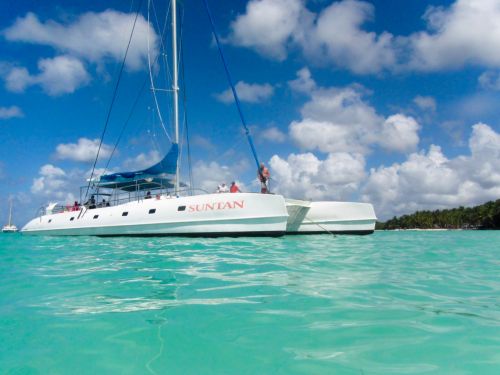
(389, 303)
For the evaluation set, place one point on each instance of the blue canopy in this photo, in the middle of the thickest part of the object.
(167, 165)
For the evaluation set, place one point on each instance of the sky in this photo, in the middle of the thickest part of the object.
(392, 103)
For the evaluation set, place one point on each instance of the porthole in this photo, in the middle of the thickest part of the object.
(96, 216)
(181, 208)
(125, 213)
(50, 220)
(73, 218)
(152, 211)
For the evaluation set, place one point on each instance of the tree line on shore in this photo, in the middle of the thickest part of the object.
(484, 216)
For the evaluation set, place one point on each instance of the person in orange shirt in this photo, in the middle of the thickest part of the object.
(234, 188)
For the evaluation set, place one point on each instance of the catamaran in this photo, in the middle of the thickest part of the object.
(9, 227)
(153, 201)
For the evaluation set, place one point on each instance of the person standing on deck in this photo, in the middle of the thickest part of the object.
(264, 175)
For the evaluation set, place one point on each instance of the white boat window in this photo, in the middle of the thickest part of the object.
(125, 213)
(96, 216)
(181, 208)
(152, 211)
(73, 218)
(50, 220)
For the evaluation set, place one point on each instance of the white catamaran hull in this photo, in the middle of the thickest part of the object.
(339, 218)
(201, 215)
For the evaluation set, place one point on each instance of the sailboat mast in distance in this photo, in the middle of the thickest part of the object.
(175, 88)
(9, 228)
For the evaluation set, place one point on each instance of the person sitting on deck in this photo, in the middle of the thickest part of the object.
(148, 195)
(264, 175)
(91, 203)
(222, 188)
(234, 188)
(76, 206)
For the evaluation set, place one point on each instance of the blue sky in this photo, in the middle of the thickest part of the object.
(393, 103)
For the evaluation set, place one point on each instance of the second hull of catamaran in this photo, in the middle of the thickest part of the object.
(239, 214)
(338, 218)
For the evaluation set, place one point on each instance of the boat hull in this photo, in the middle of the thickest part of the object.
(238, 214)
(338, 218)
(9, 229)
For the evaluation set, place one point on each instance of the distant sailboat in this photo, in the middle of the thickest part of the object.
(9, 228)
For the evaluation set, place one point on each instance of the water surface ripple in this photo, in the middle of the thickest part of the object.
(389, 303)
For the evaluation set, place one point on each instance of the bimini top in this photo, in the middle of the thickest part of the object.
(167, 165)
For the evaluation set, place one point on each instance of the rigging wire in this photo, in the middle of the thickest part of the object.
(164, 54)
(184, 104)
(134, 105)
(153, 89)
(179, 53)
(115, 91)
(233, 89)
(126, 124)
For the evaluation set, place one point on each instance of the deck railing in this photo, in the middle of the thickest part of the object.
(115, 200)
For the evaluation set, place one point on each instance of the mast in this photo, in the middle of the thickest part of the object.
(10, 214)
(175, 88)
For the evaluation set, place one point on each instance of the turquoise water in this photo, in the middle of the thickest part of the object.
(389, 303)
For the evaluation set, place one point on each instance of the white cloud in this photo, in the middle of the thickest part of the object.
(399, 133)
(85, 150)
(95, 37)
(305, 176)
(326, 136)
(333, 36)
(339, 120)
(60, 75)
(425, 103)
(465, 33)
(267, 26)
(10, 112)
(52, 183)
(17, 79)
(490, 80)
(272, 134)
(304, 82)
(247, 92)
(337, 37)
(431, 180)
(55, 184)
(335, 120)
